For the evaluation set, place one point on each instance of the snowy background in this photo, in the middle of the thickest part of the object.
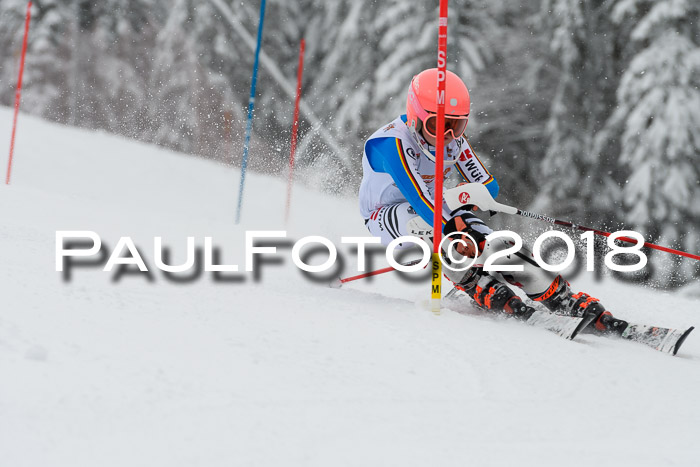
(589, 111)
(284, 371)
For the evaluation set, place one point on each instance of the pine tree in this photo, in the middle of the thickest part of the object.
(11, 34)
(575, 180)
(407, 45)
(108, 64)
(340, 60)
(47, 53)
(344, 85)
(189, 90)
(658, 117)
(511, 98)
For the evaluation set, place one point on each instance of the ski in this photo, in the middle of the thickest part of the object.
(665, 340)
(563, 326)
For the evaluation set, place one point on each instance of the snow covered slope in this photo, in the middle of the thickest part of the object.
(282, 370)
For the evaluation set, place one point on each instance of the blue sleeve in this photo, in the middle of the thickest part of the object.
(493, 187)
(387, 155)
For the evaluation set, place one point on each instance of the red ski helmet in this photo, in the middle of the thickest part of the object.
(421, 104)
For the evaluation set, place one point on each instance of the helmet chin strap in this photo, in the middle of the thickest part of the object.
(422, 144)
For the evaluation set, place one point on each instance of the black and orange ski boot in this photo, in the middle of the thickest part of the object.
(491, 294)
(560, 299)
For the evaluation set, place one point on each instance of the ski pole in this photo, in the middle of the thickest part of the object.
(478, 195)
(603, 233)
(340, 281)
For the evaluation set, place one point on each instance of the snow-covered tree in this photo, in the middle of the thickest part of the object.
(658, 123)
(496, 50)
(575, 180)
(176, 73)
(190, 105)
(407, 41)
(47, 53)
(110, 50)
(11, 32)
(339, 64)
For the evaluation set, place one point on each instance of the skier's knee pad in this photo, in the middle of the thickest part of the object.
(395, 220)
(417, 227)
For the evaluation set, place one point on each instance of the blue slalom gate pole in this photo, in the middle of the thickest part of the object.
(251, 106)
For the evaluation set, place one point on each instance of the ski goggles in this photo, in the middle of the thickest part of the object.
(454, 125)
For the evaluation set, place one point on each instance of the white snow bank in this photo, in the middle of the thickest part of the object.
(283, 371)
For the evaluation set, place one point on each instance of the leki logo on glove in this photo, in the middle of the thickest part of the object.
(464, 197)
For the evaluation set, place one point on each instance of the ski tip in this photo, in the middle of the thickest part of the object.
(585, 322)
(682, 339)
(335, 284)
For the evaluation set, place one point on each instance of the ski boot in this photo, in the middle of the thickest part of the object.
(560, 299)
(494, 295)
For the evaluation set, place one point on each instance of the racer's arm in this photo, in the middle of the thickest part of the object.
(388, 155)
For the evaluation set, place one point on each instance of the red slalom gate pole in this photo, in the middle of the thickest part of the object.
(18, 92)
(436, 283)
(295, 128)
(339, 282)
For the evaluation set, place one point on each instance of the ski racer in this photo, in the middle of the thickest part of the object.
(397, 189)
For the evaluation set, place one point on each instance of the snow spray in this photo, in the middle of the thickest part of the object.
(295, 128)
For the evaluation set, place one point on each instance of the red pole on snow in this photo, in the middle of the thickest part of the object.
(436, 290)
(295, 127)
(18, 92)
(340, 281)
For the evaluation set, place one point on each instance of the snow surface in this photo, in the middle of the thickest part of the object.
(285, 371)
